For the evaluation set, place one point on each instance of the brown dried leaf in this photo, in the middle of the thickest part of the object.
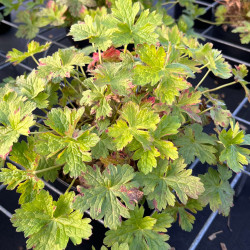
(223, 246)
(214, 235)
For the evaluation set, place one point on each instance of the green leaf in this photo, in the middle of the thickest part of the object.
(147, 159)
(115, 75)
(15, 117)
(54, 14)
(168, 125)
(97, 98)
(73, 145)
(185, 213)
(194, 143)
(61, 63)
(221, 116)
(213, 57)
(154, 59)
(132, 124)
(188, 103)
(244, 30)
(234, 155)
(220, 13)
(129, 29)
(240, 72)
(169, 88)
(50, 225)
(141, 232)
(74, 6)
(33, 88)
(94, 29)
(218, 193)
(30, 23)
(106, 187)
(158, 185)
(101, 149)
(218, 65)
(27, 180)
(16, 56)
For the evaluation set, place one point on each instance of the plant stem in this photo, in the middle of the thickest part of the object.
(83, 73)
(70, 103)
(47, 169)
(66, 81)
(204, 66)
(100, 56)
(175, 2)
(204, 111)
(35, 59)
(220, 87)
(45, 111)
(38, 132)
(125, 48)
(210, 22)
(171, 6)
(203, 78)
(69, 187)
(42, 117)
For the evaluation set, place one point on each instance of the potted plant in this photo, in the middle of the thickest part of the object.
(235, 15)
(126, 129)
(35, 15)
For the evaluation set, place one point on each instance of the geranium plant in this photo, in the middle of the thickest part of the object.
(124, 125)
(237, 14)
(34, 15)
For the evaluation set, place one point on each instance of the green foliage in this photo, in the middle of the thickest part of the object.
(128, 29)
(158, 184)
(71, 145)
(133, 123)
(16, 56)
(141, 232)
(233, 154)
(61, 63)
(93, 29)
(33, 88)
(185, 213)
(218, 193)
(105, 189)
(123, 125)
(195, 143)
(50, 224)
(15, 118)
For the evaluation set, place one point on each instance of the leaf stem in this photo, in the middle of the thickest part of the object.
(47, 169)
(204, 66)
(171, 6)
(204, 111)
(203, 78)
(42, 117)
(66, 81)
(125, 48)
(220, 87)
(100, 56)
(35, 59)
(39, 132)
(83, 73)
(210, 22)
(70, 186)
(175, 2)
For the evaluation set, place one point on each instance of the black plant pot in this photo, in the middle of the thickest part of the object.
(4, 27)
